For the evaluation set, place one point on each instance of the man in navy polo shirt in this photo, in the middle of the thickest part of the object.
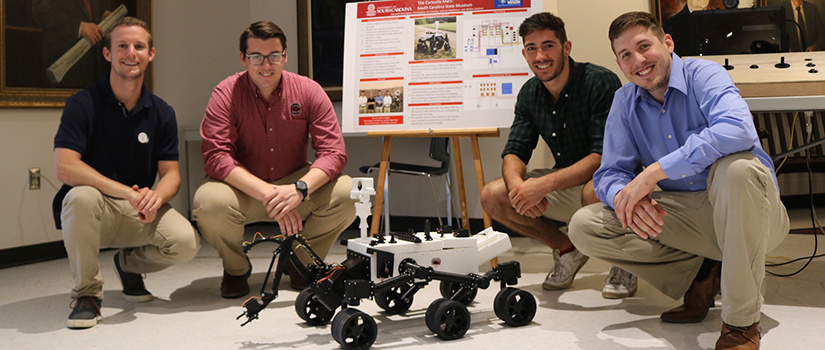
(114, 138)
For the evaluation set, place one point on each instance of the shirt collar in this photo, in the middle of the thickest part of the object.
(253, 87)
(108, 94)
(676, 81)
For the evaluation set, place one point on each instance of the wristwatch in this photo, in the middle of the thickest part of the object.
(302, 188)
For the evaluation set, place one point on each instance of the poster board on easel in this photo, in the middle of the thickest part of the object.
(441, 64)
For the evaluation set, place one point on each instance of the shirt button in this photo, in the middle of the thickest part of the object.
(670, 136)
(691, 182)
(272, 169)
(663, 110)
(272, 150)
(554, 112)
(558, 153)
(269, 108)
(553, 134)
(270, 129)
(684, 176)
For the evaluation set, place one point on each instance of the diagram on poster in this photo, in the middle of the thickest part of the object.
(433, 64)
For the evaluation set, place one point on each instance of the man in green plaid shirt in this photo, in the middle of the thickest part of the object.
(566, 103)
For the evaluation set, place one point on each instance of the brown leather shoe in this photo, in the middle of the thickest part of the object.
(698, 299)
(234, 286)
(739, 338)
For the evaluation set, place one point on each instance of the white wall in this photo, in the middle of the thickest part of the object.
(197, 46)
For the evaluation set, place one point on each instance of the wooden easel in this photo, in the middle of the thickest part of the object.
(455, 135)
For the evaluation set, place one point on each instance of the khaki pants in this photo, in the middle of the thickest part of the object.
(221, 212)
(736, 221)
(92, 220)
(562, 203)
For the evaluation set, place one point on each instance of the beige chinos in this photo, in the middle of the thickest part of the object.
(92, 220)
(221, 212)
(737, 220)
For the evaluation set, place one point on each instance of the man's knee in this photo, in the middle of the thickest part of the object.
(494, 196)
(584, 225)
(212, 198)
(736, 167)
(83, 197)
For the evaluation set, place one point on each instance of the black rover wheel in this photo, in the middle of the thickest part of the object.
(354, 330)
(311, 310)
(448, 319)
(514, 306)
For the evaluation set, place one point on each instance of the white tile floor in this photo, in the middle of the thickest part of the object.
(189, 313)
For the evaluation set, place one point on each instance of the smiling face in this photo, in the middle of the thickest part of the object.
(645, 59)
(546, 54)
(130, 52)
(267, 75)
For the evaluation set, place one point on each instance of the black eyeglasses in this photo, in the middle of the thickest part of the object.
(257, 59)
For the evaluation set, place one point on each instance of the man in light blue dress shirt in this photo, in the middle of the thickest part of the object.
(685, 124)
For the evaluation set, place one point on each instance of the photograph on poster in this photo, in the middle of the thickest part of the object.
(434, 38)
(52, 48)
(383, 96)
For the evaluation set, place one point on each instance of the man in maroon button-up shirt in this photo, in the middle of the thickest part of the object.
(255, 134)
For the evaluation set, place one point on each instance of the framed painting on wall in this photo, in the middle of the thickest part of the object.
(45, 55)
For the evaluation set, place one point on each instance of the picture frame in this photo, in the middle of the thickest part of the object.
(665, 9)
(33, 33)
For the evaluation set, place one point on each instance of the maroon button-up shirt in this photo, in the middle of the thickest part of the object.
(269, 138)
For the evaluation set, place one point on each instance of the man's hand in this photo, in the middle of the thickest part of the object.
(528, 198)
(91, 31)
(290, 222)
(146, 202)
(647, 218)
(641, 187)
(280, 205)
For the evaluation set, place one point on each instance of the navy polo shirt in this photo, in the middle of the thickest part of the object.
(122, 145)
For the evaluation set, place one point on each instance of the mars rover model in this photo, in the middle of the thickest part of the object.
(431, 42)
(391, 270)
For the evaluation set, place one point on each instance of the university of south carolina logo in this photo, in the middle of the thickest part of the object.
(143, 138)
(295, 109)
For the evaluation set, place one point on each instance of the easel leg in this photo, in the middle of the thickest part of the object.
(379, 190)
(459, 174)
(480, 179)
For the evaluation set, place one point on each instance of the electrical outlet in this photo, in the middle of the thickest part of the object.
(34, 178)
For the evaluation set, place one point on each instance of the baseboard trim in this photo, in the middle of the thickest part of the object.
(32, 254)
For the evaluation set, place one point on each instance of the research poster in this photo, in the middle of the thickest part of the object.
(433, 64)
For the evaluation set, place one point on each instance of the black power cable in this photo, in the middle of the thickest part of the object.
(814, 223)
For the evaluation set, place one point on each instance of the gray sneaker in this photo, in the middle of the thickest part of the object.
(619, 284)
(564, 269)
(85, 312)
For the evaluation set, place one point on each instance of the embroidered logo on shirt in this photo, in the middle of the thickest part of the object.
(295, 109)
(143, 138)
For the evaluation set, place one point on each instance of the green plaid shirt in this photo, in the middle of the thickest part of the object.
(573, 127)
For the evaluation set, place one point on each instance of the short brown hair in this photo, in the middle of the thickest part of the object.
(127, 21)
(542, 21)
(632, 19)
(262, 30)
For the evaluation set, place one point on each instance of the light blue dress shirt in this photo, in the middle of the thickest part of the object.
(702, 119)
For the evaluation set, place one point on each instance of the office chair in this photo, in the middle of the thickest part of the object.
(439, 151)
